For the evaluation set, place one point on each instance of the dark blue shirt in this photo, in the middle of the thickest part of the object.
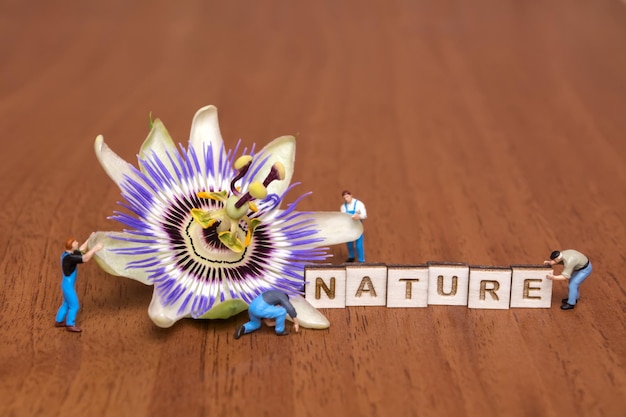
(275, 297)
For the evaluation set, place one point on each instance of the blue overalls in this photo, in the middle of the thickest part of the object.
(260, 310)
(359, 242)
(576, 279)
(70, 304)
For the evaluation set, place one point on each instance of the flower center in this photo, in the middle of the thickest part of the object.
(232, 221)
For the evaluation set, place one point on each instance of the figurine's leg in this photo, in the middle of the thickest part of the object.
(73, 307)
(350, 246)
(256, 314)
(280, 320)
(62, 312)
(253, 324)
(574, 283)
(359, 249)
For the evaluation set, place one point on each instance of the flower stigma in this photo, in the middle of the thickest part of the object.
(232, 218)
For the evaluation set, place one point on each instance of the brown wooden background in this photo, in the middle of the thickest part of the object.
(487, 132)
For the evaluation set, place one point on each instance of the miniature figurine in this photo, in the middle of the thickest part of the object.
(272, 308)
(357, 209)
(576, 268)
(73, 255)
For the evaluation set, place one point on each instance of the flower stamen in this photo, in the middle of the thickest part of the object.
(241, 165)
(276, 173)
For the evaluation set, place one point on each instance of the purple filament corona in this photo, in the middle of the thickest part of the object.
(159, 199)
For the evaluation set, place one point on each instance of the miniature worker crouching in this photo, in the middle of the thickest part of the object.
(272, 308)
(576, 268)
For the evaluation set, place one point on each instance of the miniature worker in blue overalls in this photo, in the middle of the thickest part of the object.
(355, 208)
(73, 255)
(576, 268)
(272, 308)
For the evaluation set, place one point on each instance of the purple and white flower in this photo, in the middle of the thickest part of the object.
(205, 225)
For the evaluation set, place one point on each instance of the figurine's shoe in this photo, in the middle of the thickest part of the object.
(73, 329)
(283, 333)
(239, 332)
(565, 300)
(567, 306)
(349, 260)
(59, 324)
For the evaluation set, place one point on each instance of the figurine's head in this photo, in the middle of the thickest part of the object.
(347, 196)
(71, 244)
(555, 256)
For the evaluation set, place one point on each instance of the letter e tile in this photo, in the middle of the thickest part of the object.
(529, 286)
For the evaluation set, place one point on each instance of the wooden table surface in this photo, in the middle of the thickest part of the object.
(489, 132)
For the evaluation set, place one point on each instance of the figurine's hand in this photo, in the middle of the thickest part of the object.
(98, 246)
(548, 262)
(550, 277)
(296, 325)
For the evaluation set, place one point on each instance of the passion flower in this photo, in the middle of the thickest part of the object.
(205, 225)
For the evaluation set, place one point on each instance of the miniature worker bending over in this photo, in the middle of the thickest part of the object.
(271, 307)
(576, 268)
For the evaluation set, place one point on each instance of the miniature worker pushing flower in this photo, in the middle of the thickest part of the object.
(71, 257)
(356, 209)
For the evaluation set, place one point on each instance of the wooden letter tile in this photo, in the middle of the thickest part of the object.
(325, 286)
(529, 286)
(366, 285)
(407, 286)
(448, 283)
(489, 287)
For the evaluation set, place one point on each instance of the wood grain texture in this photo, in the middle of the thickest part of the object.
(489, 132)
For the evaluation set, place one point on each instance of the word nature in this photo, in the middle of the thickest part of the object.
(434, 283)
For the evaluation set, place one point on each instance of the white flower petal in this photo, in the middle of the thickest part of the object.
(115, 167)
(115, 263)
(308, 316)
(283, 150)
(205, 130)
(332, 227)
(159, 142)
(162, 315)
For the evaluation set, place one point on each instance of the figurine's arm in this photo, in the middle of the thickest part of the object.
(296, 324)
(87, 256)
(556, 277)
(83, 247)
(362, 211)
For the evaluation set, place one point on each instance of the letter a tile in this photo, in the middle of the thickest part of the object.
(366, 285)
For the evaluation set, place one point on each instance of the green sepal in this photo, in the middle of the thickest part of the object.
(226, 309)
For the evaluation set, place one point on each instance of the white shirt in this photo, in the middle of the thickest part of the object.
(356, 206)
